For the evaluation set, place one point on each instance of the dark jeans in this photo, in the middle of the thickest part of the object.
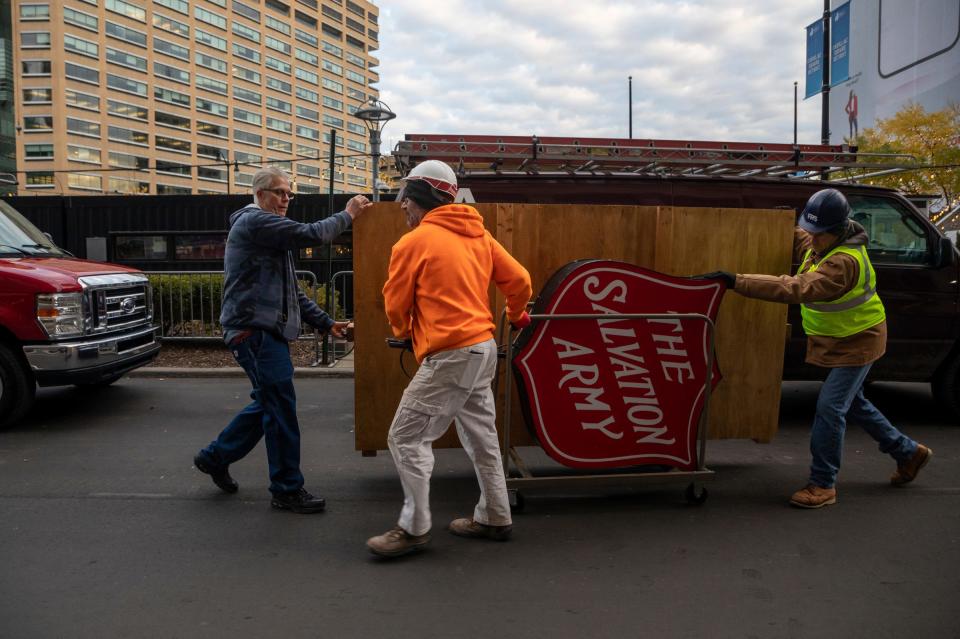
(272, 414)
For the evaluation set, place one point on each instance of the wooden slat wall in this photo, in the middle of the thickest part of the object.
(544, 238)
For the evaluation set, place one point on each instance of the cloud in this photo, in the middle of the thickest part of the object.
(704, 69)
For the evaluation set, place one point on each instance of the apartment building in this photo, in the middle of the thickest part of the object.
(190, 96)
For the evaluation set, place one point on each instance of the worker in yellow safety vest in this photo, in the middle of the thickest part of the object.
(846, 329)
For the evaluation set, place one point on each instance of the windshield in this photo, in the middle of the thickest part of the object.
(19, 237)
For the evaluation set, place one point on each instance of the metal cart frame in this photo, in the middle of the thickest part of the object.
(695, 492)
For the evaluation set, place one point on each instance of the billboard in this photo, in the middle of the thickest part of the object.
(899, 51)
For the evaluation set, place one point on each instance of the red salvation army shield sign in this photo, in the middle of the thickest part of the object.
(617, 392)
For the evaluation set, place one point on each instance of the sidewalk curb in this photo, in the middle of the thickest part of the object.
(235, 371)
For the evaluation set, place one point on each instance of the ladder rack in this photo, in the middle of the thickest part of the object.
(534, 155)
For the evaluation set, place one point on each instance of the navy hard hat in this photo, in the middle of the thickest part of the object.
(824, 211)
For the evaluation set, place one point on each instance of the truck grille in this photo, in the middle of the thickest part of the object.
(117, 302)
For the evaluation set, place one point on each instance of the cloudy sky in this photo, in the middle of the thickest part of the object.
(702, 70)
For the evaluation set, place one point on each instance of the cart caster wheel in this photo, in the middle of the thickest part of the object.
(695, 494)
(517, 502)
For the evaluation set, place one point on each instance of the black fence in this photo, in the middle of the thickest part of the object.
(171, 232)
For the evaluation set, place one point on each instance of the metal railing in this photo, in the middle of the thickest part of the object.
(334, 351)
(186, 305)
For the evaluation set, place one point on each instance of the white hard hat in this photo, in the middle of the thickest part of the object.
(437, 174)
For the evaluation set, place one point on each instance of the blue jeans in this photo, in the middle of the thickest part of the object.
(272, 414)
(841, 399)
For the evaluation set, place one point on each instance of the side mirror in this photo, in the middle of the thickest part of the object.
(946, 252)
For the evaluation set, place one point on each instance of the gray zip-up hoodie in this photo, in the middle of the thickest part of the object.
(260, 287)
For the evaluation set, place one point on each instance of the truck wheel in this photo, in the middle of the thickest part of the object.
(946, 385)
(17, 387)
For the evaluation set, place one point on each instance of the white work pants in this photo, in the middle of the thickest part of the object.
(450, 385)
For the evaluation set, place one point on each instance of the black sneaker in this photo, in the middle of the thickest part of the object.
(299, 501)
(220, 476)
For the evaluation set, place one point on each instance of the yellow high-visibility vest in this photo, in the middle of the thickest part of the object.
(859, 309)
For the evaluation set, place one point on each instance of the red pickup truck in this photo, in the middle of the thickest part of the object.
(64, 320)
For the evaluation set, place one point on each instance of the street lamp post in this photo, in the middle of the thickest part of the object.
(375, 114)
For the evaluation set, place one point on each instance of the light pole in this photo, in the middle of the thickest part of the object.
(375, 114)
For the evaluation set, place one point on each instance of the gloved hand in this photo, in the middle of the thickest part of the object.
(728, 278)
(522, 322)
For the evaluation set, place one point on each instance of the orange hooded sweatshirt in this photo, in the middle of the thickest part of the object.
(439, 279)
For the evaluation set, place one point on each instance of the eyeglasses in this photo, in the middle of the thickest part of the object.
(281, 193)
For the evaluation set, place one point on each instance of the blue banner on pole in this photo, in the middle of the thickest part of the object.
(814, 59)
(840, 44)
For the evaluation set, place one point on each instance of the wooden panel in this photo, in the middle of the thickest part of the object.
(750, 333)
(544, 238)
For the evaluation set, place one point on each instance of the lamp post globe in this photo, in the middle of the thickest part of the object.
(375, 115)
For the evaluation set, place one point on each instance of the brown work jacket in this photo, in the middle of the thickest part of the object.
(832, 279)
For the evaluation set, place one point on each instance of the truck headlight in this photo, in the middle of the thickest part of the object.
(61, 314)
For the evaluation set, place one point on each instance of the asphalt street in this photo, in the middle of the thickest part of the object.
(108, 531)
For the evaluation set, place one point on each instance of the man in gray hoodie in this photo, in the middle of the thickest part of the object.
(261, 313)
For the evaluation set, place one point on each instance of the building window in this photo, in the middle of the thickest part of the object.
(306, 38)
(83, 154)
(308, 132)
(332, 67)
(125, 84)
(35, 39)
(169, 24)
(214, 86)
(210, 62)
(277, 45)
(37, 96)
(277, 124)
(170, 189)
(211, 40)
(83, 74)
(140, 247)
(278, 65)
(127, 161)
(128, 60)
(130, 111)
(40, 179)
(332, 49)
(38, 123)
(332, 85)
(173, 144)
(207, 151)
(278, 85)
(331, 31)
(209, 128)
(82, 100)
(34, 12)
(175, 168)
(128, 186)
(278, 105)
(171, 120)
(356, 94)
(247, 137)
(244, 31)
(308, 95)
(356, 77)
(306, 56)
(353, 145)
(81, 19)
(171, 49)
(246, 53)
(278, 6)
(211, 173)
(210, 18)
(171, 96)
(38, 151)
(35, 67)
(333, 103)
(304, 19)
(278, 25)
(246, 11)
(78, 45)
(249, 117)
(306, 76)
(211, 107)
(246, 95)
(126, 9)
(172, 73)
(310, 114)
(246, 74)
(284, 146)
(127, 34)
(180, 6)
(84, 182)
(127, 136)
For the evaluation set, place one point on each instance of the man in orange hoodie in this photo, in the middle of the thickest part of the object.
(437, 294)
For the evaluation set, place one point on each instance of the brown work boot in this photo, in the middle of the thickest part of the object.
(396, 542)
(814, 497)
(907, 471)
(467, 527)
